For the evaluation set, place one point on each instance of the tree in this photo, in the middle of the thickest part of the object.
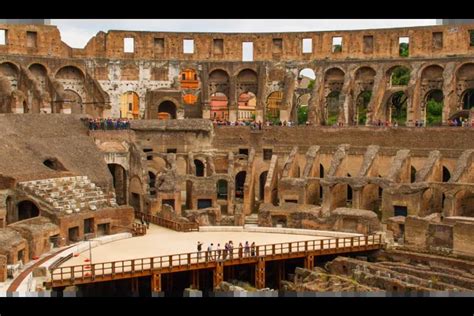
(434, 110)
(400, 76)
(337, 48)
(311, 84)
(302, 115)
(404, 49)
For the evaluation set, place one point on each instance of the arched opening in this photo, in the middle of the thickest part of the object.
(321, 175)
(222, 189)
(239, 184)
(73, 101)
(219, 106)
(40, 73)
(434, 107)
(55, 164)
(199, 168)
(247, 105)
(10, 71)
(464, 204)
(301, 109)
(333, 107)
(400, 76)
(70, 73)
(272, 110)
(119, 177)
(362, 105)
(468, 99)
(26, 210)
(306, 78)
(412, 174)
(130, 105)
(446, 174)
(136, 192)
(398, 108)
(151, 182)
(262, 180)
(166, 110)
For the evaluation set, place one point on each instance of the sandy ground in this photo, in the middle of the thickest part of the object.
(160, 241)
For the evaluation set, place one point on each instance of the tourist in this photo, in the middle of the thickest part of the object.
(252, 249)
(218, 252)
(247, 249)
(240, 250)
(209, 252)
(226, 250)
(199, 248)
(231, 249)
(143, 219)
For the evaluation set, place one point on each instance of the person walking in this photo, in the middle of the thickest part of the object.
(247, 249)
(218, 252)
(252, 249)
(240, 250)
(231, 249)
(209, 252)
(199, 248)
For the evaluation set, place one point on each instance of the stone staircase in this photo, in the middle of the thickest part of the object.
(251, 220)
(68, 194)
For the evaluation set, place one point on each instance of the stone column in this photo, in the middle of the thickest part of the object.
(232, 101)
(205, 102)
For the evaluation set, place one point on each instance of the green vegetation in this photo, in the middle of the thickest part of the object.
(399, 108)
(337, 48)
(311, 84)
(400, 76)
(273, 119)
(302, 115)
(471, 36)
(434, 112)
(362, 107)
(404, 49)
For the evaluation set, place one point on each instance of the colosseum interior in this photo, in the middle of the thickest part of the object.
(344, 138)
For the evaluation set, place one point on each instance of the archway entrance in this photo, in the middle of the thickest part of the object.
(274, 101)
(239, 184)
(119, 177)
(219, 106)
(166, 110)
(468, 99)
(398, 108)
(362, 105)
(129, 105)
(199, 168)
(222, 189)
(26, 210)
(434, 107)
(333, 107)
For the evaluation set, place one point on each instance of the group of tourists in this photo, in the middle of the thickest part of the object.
(227, 252)
(108, 124)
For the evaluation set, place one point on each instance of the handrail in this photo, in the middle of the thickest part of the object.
(167, 223)
(59, 262)
(185, 260)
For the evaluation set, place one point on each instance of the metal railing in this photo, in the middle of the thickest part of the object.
(195, 260)
(167, 223)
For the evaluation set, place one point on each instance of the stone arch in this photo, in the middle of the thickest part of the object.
(433, 104)
(398, 75)
(332, 107)
(273, 105)
(464, 203)
(119, 181)
(167, 110)
(247, 81)
(130, 105)
(396, 110)
(40, 72)
(467, 99)
(70, 72)
(219, 81)
(27, 209)
(306, 78)
(412, 174)
(72, 102)
(12, 72)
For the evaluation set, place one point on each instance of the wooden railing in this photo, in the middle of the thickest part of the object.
(139, 229)
(174, 225)
(206, 259)
(59, 262)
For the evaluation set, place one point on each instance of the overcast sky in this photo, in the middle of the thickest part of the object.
(76, 33)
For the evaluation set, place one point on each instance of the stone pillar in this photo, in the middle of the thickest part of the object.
(449, 91)
(205, 102)
(260, 273)
(218, 274)
(232, 101)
